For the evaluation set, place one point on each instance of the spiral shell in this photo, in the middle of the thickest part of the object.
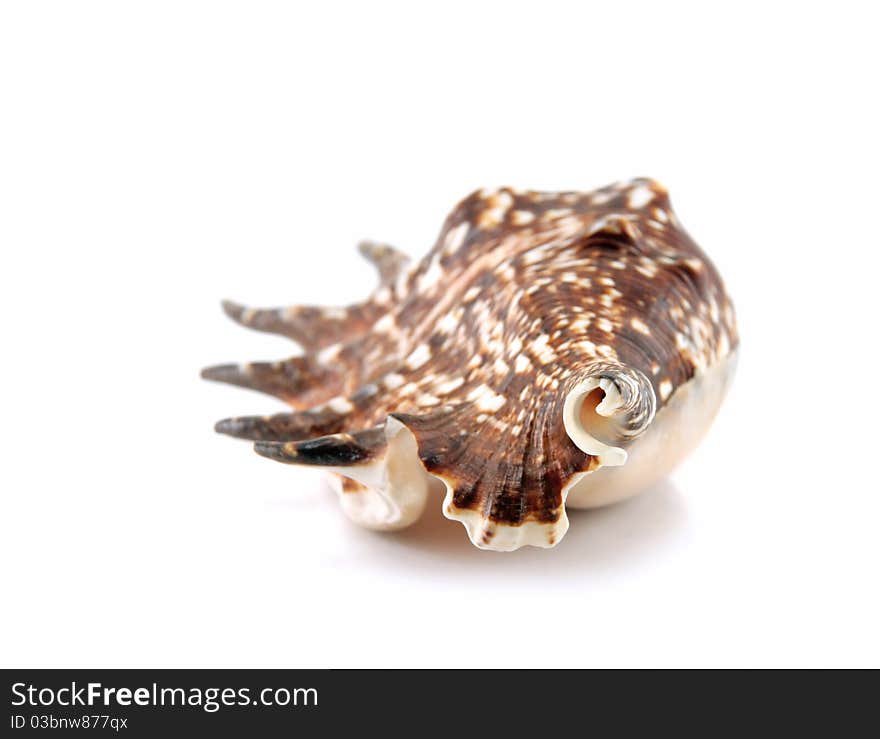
(550, 347)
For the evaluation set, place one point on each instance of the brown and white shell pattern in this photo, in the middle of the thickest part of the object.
(543, 337)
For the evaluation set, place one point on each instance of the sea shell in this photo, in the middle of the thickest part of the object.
(551, 349)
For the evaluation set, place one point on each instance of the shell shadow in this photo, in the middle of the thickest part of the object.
(599, 539)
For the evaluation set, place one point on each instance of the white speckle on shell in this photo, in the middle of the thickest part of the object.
(455, 238)
(420, 355)
(639, 325)
(393, 380)
(640, 196)
(340, 405)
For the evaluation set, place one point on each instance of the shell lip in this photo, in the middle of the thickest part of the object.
(498, 536)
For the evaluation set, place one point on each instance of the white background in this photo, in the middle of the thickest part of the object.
(157, 157)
